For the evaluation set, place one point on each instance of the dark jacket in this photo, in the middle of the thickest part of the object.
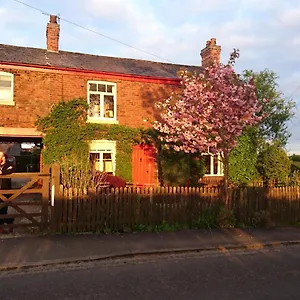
(7, 168)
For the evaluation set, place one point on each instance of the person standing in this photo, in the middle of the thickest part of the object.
(5, 184)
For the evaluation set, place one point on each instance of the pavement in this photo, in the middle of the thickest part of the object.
(45, 250)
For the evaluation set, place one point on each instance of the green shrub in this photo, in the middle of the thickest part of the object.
(243, 158)
(179, 168)
(226, 218)
(274, 164)
(215, 217)
(262, 219)
(164, 226)
(207, 220)
(294, 179)
(142, 228)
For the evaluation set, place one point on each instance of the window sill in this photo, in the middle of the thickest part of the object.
(213, 175)
(102, 121)
(9, 103)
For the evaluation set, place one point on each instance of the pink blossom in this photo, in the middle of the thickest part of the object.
(211, 111)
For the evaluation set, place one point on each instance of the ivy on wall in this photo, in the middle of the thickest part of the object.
(125, 137)
(68, 134)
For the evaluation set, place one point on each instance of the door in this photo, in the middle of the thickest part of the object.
(143, 165)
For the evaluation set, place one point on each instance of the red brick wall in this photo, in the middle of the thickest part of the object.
(37, 90)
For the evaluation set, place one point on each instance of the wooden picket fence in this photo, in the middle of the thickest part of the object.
(127, 208)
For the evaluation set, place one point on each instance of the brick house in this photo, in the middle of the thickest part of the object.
(118, 90)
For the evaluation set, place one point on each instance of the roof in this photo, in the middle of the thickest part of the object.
(81, 61)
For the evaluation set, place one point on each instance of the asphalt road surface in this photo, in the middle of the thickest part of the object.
(266, 274)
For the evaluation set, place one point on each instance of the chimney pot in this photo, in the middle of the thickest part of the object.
(213, 41)
(53, 19)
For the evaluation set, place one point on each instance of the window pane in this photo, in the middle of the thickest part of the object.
(5, 94)
(108, 167)
(5, 82)
(107, 163)
(94, 105)
(109, 88)
(101, 88)
(108, 106)
(207, 163)
(106, 156)
(93, 87)
(95, 161)
(215, 164)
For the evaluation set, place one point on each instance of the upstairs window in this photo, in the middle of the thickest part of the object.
(102, 101)
(6, 88)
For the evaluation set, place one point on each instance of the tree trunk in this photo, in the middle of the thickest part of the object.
(226, 175)
(159, 165)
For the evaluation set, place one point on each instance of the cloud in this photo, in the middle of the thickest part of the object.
(261, 6)
(290, 18)
(208, 6)
(20, 26)
(296, 41)
(144, 30)
(112, 10)
(131, 14)
(220, 6)
(291, 83)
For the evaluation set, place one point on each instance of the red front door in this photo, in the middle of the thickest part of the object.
(143, 165)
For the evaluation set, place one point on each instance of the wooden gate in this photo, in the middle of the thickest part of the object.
(34, 194)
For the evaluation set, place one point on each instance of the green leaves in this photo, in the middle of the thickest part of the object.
(276, 111)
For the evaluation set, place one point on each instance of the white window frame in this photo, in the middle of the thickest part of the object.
(10, 101)
(220, 169)
(101, 118)
(104, 146)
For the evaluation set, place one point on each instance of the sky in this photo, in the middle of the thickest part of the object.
(267, 33)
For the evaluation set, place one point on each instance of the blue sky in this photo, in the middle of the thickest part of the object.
(267, 32)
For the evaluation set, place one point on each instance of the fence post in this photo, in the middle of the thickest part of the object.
(56, 197)
(45, 197)
(150, 221)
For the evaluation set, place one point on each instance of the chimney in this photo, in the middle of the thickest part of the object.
(210, 53)
(52, 34)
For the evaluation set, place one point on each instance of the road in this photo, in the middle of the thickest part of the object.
(260, 274)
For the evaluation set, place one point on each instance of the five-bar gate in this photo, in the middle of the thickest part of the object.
(28, 203)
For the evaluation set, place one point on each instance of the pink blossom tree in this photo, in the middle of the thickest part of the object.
(209, 112)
